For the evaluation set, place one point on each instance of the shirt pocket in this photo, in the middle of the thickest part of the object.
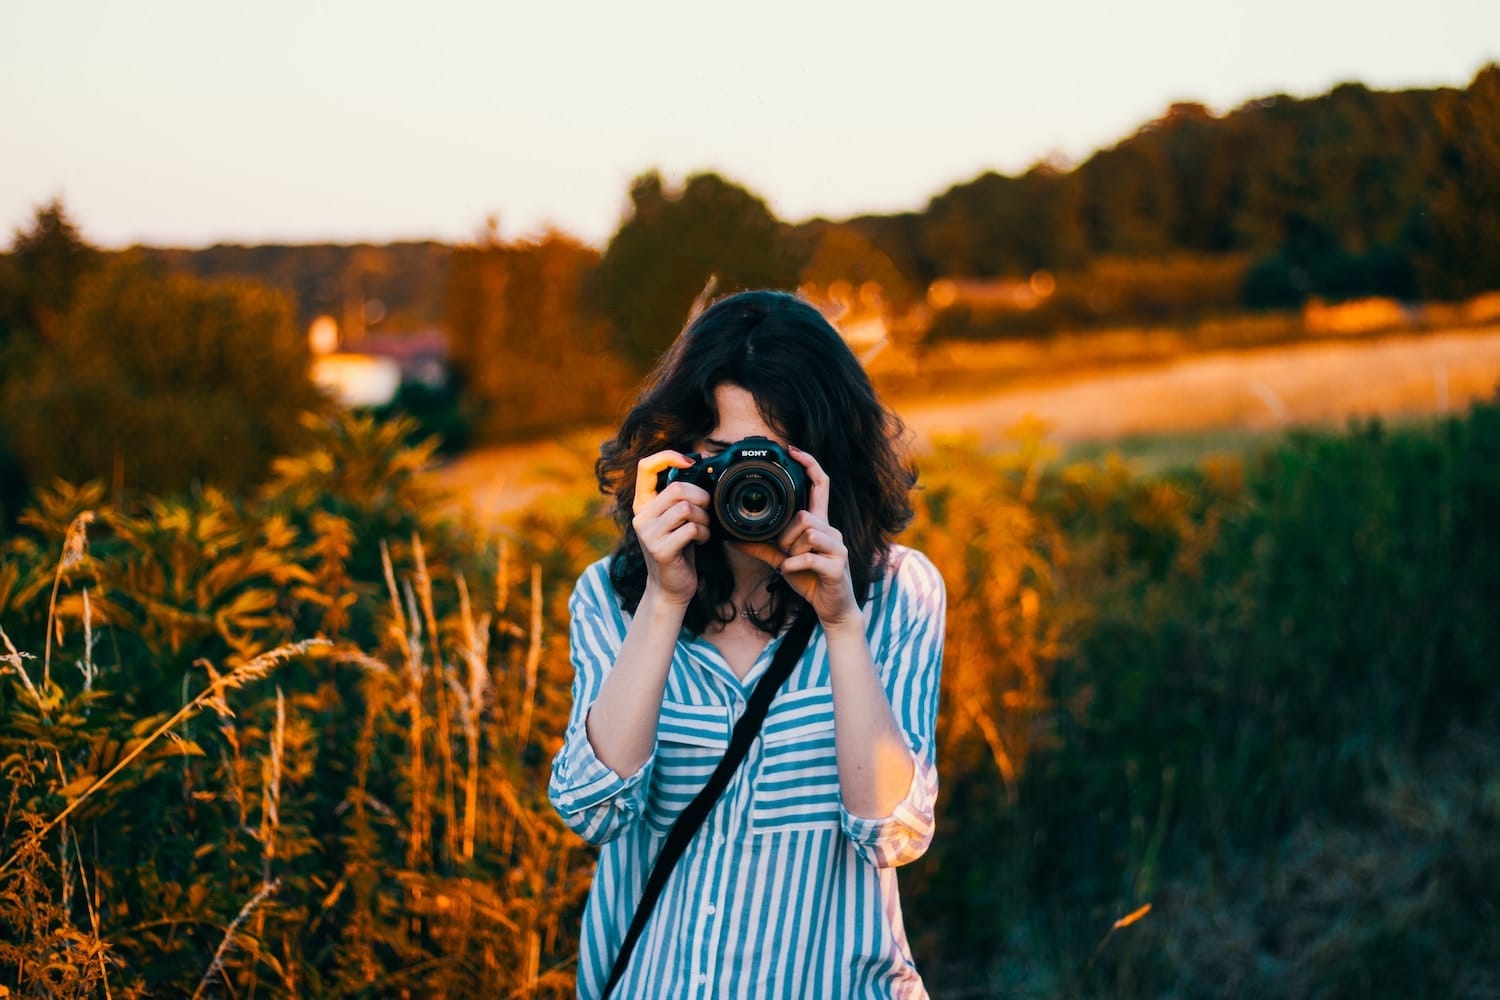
(797, 782)
(690, 742)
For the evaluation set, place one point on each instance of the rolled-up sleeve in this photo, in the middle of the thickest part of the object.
(594, 801)
(906, 636)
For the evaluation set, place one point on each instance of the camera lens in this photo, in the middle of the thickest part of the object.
(754, 501)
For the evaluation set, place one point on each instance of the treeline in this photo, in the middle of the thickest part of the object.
(1226, 731)
(392, 286)
(1351, 193)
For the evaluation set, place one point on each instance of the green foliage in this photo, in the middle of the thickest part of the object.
(998, 225)
(161, 381)
(671, 245)
(38, 280)
(1461, 239)
(1266, 713)
(44, 269)
(198, 805)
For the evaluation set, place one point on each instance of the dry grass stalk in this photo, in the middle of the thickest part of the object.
(86, 665)
(211, 696)
(502, 578)
(15, 659)
(75, 550)
(992, 738)
(471, 700)
(533, 659)
(398, 628)
(270, 807)
(516, 814)
(270, 812)
(440, 690)
(416, 842)
(232, 931)
(406, 630)
(533, 960)
(91, 901)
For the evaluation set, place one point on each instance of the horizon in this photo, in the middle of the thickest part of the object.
(289, 135)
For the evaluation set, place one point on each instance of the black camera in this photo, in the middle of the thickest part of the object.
(755, 487)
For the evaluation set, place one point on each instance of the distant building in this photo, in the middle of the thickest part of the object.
(373, 375)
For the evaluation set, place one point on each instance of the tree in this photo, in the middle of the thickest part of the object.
(670, 246)
(998, 226)
(45, 266)
(1462, 235)
(530, 350)
(38, 279)
(161, 381)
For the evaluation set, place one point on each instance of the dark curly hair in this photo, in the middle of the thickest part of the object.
(812, 390)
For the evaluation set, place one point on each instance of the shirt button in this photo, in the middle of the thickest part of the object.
(720, 839)
(701, 979)
(710, 910)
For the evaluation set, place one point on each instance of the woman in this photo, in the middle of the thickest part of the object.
(788, 888)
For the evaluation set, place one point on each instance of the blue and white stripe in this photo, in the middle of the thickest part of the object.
(783, 893)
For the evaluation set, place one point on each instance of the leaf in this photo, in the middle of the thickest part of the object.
(78, 786)
(147, 725)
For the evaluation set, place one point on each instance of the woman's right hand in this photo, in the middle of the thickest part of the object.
(668, 524)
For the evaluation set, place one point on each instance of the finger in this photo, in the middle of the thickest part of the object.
(817, 500)
(816, 540)
(808, 532)
(683, 535)
(675, 493)
(665, 514)
(670, 543)
(764, 551)
(823, 566)
(648, 468)
(673, 512)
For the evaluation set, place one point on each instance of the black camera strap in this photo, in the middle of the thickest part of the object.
(745, 730)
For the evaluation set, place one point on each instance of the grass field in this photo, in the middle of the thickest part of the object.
(1157, 413)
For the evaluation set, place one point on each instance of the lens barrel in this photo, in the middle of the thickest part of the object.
(755, 500)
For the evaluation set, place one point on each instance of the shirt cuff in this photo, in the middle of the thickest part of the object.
(581, 781)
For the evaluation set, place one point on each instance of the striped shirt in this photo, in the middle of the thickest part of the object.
(783, 893)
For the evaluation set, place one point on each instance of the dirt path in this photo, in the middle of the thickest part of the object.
(1259, 389)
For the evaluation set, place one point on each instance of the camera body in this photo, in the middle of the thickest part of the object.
(755, 489)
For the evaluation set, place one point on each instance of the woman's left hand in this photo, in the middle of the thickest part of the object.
(810, 554)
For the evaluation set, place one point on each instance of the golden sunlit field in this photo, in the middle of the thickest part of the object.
(1249, 392)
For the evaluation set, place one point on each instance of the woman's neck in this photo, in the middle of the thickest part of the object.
(751, 577)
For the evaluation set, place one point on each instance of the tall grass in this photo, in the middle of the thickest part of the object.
(1229, 729)
(373, 823)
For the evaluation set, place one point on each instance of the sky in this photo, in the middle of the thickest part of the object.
(191, 122)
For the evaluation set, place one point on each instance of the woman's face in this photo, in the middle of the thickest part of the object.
(739, 417)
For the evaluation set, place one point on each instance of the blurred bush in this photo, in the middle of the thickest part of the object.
(158, 381)
(1243, 664)
(532, 354)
